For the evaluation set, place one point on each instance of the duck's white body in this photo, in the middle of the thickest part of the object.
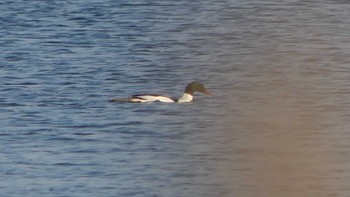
(147, 98)
(185, 98)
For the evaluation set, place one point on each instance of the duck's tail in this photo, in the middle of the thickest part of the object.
(124, 100)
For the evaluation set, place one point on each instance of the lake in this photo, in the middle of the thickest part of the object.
(277, 125)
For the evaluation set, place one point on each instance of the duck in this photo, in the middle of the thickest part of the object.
(187, 96)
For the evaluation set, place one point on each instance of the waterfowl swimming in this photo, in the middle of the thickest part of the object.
(190, 89)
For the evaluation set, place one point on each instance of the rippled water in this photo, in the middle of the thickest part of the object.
(277, 126)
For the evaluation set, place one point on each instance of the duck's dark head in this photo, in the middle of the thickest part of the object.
(196, 87)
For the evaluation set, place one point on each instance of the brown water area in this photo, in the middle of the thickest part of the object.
(288, 136)
(285, 102)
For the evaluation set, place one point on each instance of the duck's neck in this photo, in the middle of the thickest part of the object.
(185, 98)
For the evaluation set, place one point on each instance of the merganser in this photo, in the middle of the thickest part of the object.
(146, 98)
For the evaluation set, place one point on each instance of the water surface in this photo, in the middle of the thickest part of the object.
(277, 126)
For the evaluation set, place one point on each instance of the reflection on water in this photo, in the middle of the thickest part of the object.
(286, 150)
(286, 129)
(289, 125)
(290, 130)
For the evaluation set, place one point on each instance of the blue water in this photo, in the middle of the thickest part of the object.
(277, 125)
